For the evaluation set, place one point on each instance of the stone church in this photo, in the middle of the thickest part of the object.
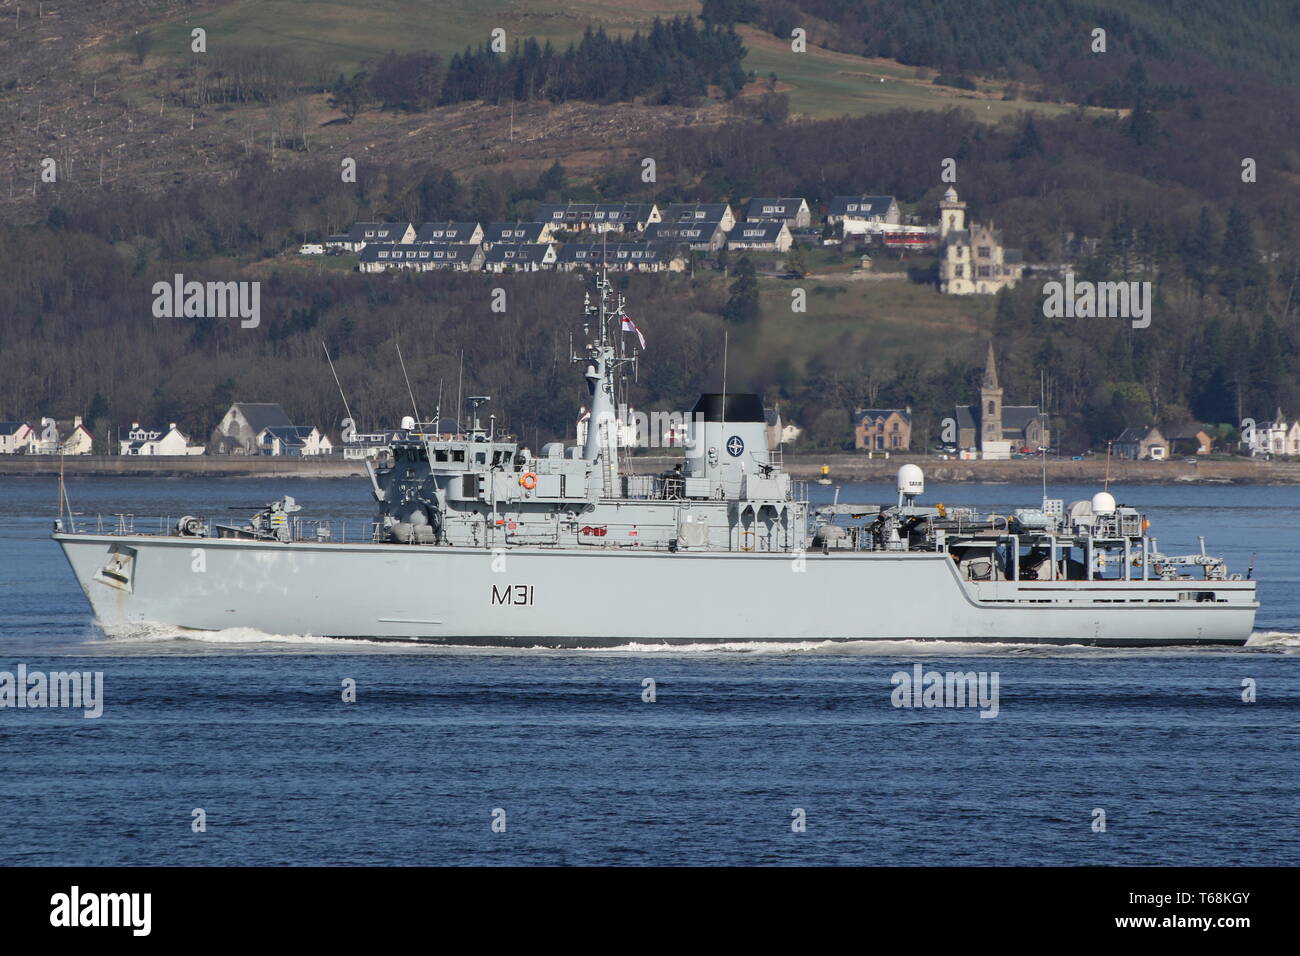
(994, 431)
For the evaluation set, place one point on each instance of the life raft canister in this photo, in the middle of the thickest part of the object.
(528, 480)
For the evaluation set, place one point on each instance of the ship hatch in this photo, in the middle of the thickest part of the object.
(119, 570)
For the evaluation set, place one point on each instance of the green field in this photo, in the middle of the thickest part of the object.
(820, 83)
(350, 33)
(867, 318)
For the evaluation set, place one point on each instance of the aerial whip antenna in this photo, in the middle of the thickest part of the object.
(339, 384)
(414, 408)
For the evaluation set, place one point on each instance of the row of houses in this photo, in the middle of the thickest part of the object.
(246, 429)
(1276, 437)
(49, 436)
(646, 237)
(647, 256)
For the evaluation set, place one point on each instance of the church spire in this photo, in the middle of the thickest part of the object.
(990, 371)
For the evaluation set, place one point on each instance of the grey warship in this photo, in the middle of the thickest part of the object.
(477, 540)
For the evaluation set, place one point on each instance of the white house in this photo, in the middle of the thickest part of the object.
(520, 257)
(363, 234)
(293, 440)
(1276, 437)
(708, 236)
(52, 438)
(860, 215)
(459, 232)
(140, 440)
(770, 236)
(14, 437)
(622, 256)
(421, 257)
(598, 217)
(793, 212)
(698, 213)
(358, 446)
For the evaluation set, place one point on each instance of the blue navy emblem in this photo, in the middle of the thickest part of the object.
(735, 447)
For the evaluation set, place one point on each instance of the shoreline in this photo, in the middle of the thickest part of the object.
(844, 467)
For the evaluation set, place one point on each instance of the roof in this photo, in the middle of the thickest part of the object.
(418, 252)
(261, 415)
(1185, 431)
(513, 231)
(768, 208)
(862, 414)
(292, 435)
(695, 232)
(12, 428)
(1019, 416)
(861, 206)
(1134, 434)
(446, 232)
(617, 252)
(695, 212)
(518, 252)
(761, 231)
(380, 231)
(151, 434)
(1014, 417)
(594, 212)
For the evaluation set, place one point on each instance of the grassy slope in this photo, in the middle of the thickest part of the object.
(875, 320)
(820, 82)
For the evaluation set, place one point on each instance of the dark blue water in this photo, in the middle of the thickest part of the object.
(253, 730)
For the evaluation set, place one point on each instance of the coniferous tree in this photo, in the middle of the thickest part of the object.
(742, 303)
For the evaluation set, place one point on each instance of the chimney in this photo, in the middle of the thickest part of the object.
(171, 426)
(76, 421)
(135, 425)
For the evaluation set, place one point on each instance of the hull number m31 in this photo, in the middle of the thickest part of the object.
(513, 594)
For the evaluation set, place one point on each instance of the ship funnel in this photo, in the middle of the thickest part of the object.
(1103, 503)
(727, 438)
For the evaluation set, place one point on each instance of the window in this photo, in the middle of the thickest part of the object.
(958, 271)
(990, 408)
(983, 252)
(985, 271)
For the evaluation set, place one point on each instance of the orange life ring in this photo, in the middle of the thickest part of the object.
(528, 480)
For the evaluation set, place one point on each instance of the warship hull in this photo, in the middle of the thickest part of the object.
(593, 596)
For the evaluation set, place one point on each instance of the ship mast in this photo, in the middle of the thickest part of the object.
(604, 358)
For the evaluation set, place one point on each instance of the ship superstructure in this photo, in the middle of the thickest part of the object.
(479, 540)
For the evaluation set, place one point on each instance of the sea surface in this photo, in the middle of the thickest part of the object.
(748, 754)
